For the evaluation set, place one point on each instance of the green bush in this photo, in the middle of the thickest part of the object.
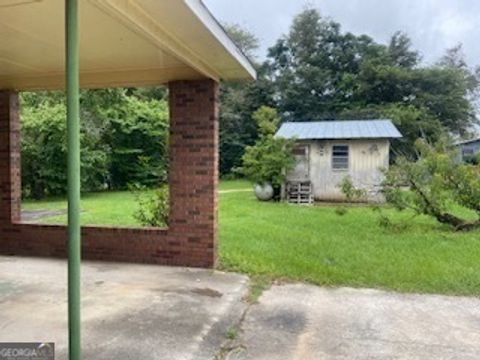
(270, 158)
(44, 152)
(153, 208)
(124, 139)
(137, 134)
(351, 192)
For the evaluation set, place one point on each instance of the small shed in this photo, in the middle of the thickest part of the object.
(328, 151)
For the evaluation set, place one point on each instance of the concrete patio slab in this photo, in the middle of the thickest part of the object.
(129, 311)
(302, 322)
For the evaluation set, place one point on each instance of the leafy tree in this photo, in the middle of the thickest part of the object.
(315, 67)
(137, 134)
(267, 120)
(400, 51)
(437, 185)
(123, 138)
(266, 161)
(44, 152)
(244, 39)
(238, 102)
(454, 58)
(321, 73)
(446, 93)
(270, 157)
(413, 123)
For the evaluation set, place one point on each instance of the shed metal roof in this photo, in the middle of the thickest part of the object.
(352, 129)
(466, 142)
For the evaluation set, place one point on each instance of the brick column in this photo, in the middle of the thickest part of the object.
(191, 238)
(194, 168)
(10, 181)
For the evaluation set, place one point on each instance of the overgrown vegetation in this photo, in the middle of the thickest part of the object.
(436, 184)
(124, 139)
(270, 157)
(152, 208)
(351, 192)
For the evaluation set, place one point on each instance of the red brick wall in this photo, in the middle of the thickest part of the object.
(9, 158)
(190, 240)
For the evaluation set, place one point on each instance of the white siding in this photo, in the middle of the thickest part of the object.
(366, 159)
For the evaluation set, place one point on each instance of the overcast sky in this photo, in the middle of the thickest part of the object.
(433, 25)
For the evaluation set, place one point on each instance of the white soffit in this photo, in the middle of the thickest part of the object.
(122, 43)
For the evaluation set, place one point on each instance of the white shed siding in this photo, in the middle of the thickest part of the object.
(366, 159)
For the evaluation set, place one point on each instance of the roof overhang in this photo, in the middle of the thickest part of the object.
(466, 142)
(122, 43)
(339, 130)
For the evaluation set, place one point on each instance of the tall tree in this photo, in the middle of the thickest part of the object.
(124, 135)
(315, 67)
(244, 39)
(320, 72)
(400, 51)
(239, 100)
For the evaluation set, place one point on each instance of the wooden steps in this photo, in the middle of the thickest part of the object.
(299, 192)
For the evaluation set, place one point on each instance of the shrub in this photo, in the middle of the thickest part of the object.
(152, 207)
(351, 192)
(124, 139)
(44, 152)
(268, 160)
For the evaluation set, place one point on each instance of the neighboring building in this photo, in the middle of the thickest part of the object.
(469, 149)
(328, 151)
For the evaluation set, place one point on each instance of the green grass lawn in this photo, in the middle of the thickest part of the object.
(314, 244)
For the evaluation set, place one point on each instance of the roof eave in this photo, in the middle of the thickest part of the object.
(217, 30)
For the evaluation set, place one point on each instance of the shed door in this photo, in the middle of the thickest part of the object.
(301, 170)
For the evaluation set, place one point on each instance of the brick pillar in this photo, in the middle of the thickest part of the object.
(10, 181)
(194, 167)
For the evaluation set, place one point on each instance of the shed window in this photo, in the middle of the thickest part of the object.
(468, 151)
(340, 157)
(300, 150)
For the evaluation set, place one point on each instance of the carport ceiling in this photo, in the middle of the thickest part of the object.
(122, 43)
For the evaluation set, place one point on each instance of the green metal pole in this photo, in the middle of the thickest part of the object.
(73, 147)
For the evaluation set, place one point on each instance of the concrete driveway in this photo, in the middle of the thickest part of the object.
(144, 312)
(137, 312)
(301, 322)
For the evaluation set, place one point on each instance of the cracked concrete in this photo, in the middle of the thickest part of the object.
(303, 322)
(152, 312)
(128, 311)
